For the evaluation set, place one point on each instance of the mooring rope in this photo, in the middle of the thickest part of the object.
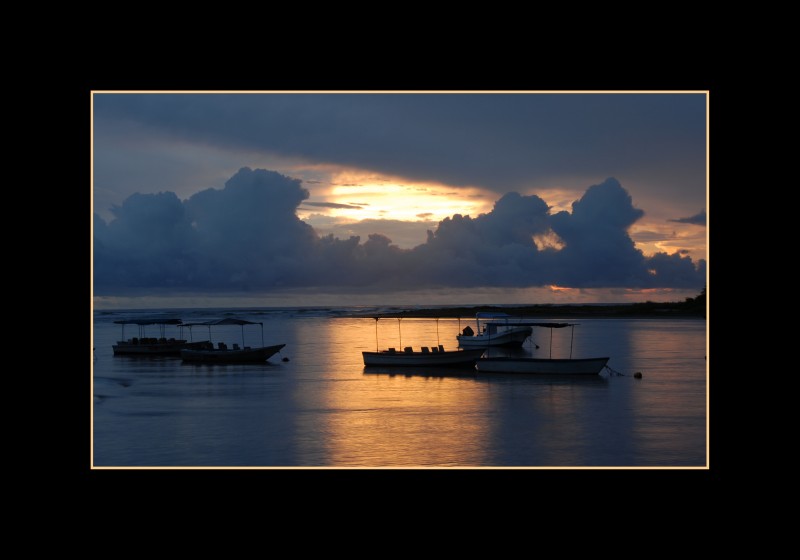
(637, 375)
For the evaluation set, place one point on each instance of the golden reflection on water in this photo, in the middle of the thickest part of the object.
(394, 417)
(351, 416)
(321, 408)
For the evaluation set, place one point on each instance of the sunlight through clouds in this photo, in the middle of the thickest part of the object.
(370, 196)
(271, 191)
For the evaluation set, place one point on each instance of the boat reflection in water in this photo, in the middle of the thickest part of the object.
(540, 378)
(419, 371)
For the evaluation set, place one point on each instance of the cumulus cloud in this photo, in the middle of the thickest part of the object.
(406, 234)
(698, 219)
(598, 251)
(247, 236)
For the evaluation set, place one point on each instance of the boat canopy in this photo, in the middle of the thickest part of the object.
(151, 321)
(521, 323)
(226, 321)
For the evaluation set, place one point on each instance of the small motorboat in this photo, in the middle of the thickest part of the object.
(497, 331)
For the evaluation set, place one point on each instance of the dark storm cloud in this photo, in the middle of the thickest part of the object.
(244, 235)
(498, 141)
(598, 252)
(247, 236)
(698, 219)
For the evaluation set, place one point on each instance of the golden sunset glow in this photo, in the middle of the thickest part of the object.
(658, 236)
(399, 280)
(564, 289)
(359, 426)
(549, 240)
(362, 196)
(341, 197)
(557, 198)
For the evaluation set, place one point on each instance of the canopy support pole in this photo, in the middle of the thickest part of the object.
(400, 332)
(376, 332)
(551, 344)
(571, 338)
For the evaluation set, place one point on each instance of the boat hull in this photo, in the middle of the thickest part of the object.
(513, 337)
(167, 348)
(237, 356)
(585, 366)
(425, 359)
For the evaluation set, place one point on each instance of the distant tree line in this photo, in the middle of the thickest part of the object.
(690, 307)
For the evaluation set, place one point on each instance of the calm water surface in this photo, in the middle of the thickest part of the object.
(322, 408)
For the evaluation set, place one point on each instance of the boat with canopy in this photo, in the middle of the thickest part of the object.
(143, 345)
(433, 356)
(224, 355)
(565, 366)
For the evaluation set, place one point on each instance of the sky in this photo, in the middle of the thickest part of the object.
(379, 198)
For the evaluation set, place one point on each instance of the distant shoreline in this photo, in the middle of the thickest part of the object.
(632, 310)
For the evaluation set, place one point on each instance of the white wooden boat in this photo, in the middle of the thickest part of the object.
(143, 345)
(427, 357)
(550, 366)
(497, 331)
(435, 356)
(224, 355)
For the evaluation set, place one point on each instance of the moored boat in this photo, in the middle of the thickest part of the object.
(224, 355)
(433, 356)
(550, 366)
(235, 355)
(143, 345)
(497, 331)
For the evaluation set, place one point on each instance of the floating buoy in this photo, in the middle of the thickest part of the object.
(285, 359)
(638, 375)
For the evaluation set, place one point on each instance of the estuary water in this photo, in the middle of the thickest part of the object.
(315, 404)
